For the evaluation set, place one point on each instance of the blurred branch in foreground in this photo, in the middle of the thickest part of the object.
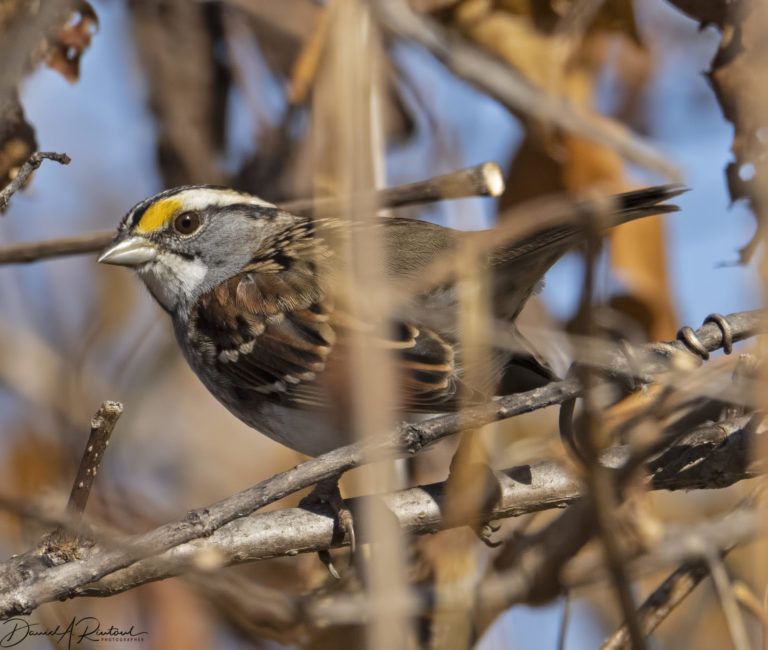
(21, 595)
(498, 80)
(664, 599)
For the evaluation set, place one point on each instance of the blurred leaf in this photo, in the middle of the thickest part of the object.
(305, 66)
(514, 38)
(550, 161)
(64, 50)
(113, 302)
(17, 137)
(181, 50)
(40, 373)
(32, 464)
(179, 619)
(638, 251)
(31, 470)
(281, 29)
(431, 5)
(736, 76)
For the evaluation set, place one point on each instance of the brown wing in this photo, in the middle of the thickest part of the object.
(301, 356)
(261, 341)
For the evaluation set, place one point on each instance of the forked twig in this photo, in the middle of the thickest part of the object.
(25, 171)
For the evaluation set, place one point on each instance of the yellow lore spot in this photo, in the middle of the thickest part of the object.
(158, 214)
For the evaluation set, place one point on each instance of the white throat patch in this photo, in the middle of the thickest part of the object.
(172, 279)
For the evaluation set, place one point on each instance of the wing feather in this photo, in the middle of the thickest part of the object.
(302, 356)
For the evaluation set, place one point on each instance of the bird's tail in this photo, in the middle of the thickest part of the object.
(645, 202)
(519, 267)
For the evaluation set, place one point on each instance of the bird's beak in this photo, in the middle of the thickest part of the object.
(129, 252)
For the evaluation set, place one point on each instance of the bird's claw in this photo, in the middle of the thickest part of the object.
(328, 492)
(484, 533)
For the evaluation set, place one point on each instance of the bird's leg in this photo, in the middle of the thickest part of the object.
(327, 491)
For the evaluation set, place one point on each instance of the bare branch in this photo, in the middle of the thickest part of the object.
(25, 171)
(539, 569)
(419, 511)
(479, 180)
(102, 425)
(40, 250)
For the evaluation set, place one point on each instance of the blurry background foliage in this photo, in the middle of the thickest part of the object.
(150, 94)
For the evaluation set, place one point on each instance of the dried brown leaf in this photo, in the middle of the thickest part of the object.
(305, 66)
(638, 250)
(550, 161)
(17, 138)
(64, 50)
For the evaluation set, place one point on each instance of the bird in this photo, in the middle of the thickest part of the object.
(249, 288)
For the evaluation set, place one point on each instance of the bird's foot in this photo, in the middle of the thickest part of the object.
(484, 532)
(328, 492)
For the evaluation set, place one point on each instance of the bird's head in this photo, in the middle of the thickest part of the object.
(184, 241)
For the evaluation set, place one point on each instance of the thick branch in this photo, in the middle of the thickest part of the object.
(723, 458)
(540, 567)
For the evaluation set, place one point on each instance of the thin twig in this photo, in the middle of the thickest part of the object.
(753, 604)
(25, 171)
(664, 599)
(25, 253)
(728, 600)
(675, 588)
(479, 180)
(600, 481)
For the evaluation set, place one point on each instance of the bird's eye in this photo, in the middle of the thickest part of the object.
(187, 223)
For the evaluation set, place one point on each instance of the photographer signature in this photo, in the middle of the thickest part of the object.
(87, 628)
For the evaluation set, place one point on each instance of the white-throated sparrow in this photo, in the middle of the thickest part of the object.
(248, 287)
